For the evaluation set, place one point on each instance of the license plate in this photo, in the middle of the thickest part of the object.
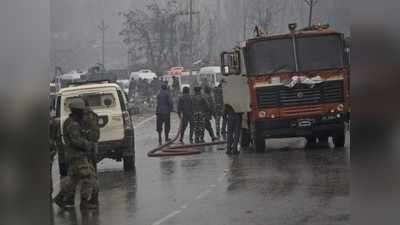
(305, 123)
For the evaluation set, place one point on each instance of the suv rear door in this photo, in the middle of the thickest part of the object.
(106, 104)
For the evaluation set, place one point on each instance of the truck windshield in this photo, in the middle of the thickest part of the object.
(277, 55)
(320, 52)
(265, 57)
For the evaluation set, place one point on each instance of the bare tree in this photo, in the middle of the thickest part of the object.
(261, 13)
(149, 35)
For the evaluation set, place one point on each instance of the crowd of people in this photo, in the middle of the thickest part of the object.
(197, 109)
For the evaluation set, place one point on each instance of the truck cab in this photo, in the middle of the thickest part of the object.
(298, 85)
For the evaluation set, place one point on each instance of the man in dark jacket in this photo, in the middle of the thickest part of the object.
(200, 107)
(185, 111)
(163, 111)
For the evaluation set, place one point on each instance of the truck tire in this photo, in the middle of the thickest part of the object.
(259, 143)
(63, 168)
(339, 139)
(323, 140)
(129, 163)
(311, 141)
(245, 140)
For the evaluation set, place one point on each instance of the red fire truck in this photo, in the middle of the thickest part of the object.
(297, 85)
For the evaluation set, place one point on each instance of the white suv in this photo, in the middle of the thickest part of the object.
(109, 102)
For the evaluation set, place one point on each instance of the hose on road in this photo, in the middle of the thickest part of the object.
(165, 150)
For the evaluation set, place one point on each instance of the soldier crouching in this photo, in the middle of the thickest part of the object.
(81, 174)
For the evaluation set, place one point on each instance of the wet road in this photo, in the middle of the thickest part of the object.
(288, 185)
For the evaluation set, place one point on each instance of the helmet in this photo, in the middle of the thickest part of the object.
(77, 103)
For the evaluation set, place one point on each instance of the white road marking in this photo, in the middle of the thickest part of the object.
(169, 216)
(144, 121)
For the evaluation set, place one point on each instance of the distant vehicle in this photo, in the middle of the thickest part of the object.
(211, 75)
(116, 128)
(184, 80)
(124, 84)
(175, 71)
(143, 74)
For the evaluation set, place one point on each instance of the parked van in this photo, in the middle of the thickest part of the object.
(211, 75)
(143, 74)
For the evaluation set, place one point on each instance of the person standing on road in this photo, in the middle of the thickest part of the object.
(200, 107)
(219, 110)
(234, 123)
(185, 111)
(163, 111)
(77, 149)
(210, 113)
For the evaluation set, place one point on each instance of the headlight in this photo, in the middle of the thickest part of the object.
(262, 114)
(340, 108)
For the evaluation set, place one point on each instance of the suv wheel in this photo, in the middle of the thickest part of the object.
(245, 140)
(339, 139)
(259, 143)
(129, 163)
(311, 141)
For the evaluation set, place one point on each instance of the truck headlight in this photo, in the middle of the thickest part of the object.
(262, 114)
(340, 107)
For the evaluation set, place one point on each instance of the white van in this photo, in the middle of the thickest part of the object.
(143, 74)
(109, 102)
(211, 74)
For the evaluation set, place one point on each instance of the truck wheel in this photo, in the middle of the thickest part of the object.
(311, 141)
(129, 163)
(63, 168)
(245, 140)
(323, 140)
(339, 139)
(259, 144)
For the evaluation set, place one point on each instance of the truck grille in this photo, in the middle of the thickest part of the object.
(301, 94)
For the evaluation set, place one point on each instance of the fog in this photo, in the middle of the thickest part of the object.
(76, 39)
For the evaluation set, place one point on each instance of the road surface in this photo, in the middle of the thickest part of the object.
(288, 185)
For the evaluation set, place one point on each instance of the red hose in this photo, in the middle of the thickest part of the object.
(164, 150)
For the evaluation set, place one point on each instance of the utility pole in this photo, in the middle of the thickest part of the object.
(191, 35)
(103, 27)
(244, 19)
(311, 4)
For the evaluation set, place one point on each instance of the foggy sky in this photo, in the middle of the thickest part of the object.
(76, 37)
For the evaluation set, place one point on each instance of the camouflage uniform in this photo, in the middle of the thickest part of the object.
(219, 110)
(77, 148)
(200, 108)
(92, 132)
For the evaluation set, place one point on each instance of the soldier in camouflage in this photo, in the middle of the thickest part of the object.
(81, 174)
(200, 107)
(210, 113)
